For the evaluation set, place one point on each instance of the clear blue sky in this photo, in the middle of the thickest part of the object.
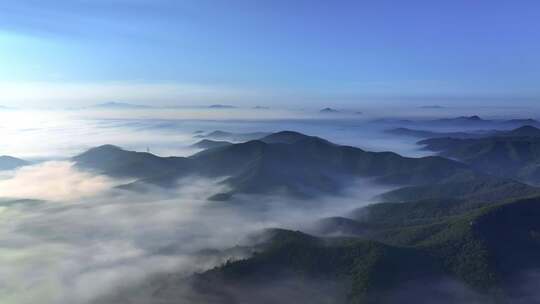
(300, 51)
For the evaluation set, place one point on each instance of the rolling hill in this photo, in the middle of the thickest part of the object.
(234, 137)
(209, 144)
(10, 163)
(285, 161)
(473, 122)
(432, 134)
(486, 248)
(475, 256)
(451, 227)
(514, 154)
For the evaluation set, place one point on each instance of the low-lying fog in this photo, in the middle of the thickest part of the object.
(73, 236)
(48, 134)
(90, 238)
(58, 134)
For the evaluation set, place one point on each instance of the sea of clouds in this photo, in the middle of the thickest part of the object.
(71, 236)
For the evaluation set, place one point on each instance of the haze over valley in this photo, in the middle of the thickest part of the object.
(263, 152)
(162, 210)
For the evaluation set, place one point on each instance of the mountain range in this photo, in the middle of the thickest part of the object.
(433, 134)
(514, 154)
(221, 106)
(328, 110)
(119, 105)
(448, 223)
(287, 161)
(461, 122)
(208, 144)
(230, 136)
(416, 252)
(524, 131)
(10, 163)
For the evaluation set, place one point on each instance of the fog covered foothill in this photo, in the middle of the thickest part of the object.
(71, 234)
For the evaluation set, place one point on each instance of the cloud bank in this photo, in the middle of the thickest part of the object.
(102, 240)
(53, 181)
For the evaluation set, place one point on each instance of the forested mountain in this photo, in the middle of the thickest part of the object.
(514, 154)
(285, 161)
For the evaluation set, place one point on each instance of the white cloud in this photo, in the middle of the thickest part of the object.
(55, 181)
(74, 253)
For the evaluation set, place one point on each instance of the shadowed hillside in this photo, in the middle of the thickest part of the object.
(285, 161)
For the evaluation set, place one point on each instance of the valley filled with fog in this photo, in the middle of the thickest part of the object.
(269, 152)
(79, 226)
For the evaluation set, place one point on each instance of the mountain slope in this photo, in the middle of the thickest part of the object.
(479, 189)
(433, 134)
(10, 163)
(306, 164)
(460, 123)
(209, 144)
(484, 248)
(114, 161)
(293, 267)
(524, 131)
(289, 161)
(509, 156)
(235, 137)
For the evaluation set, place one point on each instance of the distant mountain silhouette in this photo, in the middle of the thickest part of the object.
(120, 105)
(329, 110)
(461, 121)
(229, 136)
(522, 122)
(513, 154)
(209, 144)
(525, 131)
(10, 163)
(432, 134)
(221, 106)
(473, 121)
(484, 189)
(288, 137)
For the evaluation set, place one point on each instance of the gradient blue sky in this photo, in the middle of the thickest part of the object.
(76, 52)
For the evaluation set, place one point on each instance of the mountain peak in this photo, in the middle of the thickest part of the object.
(119, 105)
(209, 144)
(284, 137)
(527, 130)
(107, 147)
(473, 117)
(10, 163)
(527, 127)
(328, 110)
(523, 121)
(99, 152)
(221, 106)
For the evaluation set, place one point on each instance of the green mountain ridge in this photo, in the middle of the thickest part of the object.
(507, 156)
(289, 161)
(485, 248)
(10, 163)
(451, 227)
(209, 144)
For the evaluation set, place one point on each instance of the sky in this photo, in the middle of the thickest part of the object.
(303, 53)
